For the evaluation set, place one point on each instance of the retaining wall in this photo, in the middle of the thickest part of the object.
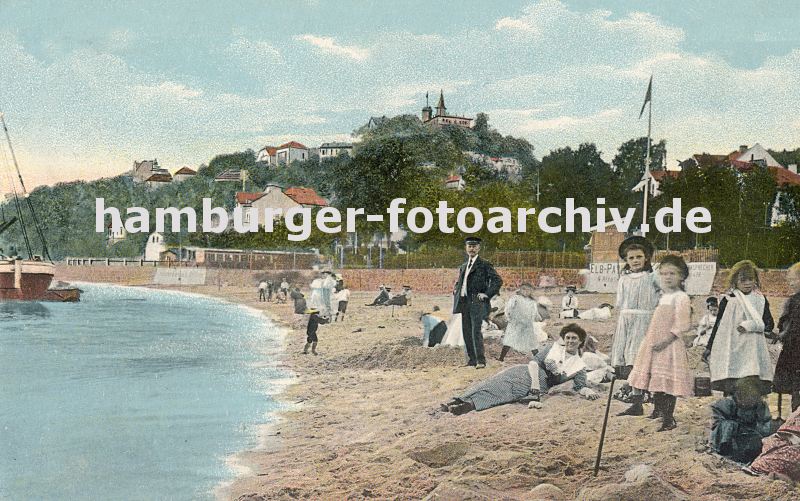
(426, 281)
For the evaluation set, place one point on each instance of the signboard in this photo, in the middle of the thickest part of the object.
(701, 278)
(603, 277)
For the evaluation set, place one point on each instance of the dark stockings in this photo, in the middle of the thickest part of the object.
(503, 353)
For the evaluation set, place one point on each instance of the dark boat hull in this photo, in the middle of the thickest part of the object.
(34, 280)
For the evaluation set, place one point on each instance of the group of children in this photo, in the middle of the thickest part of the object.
(654, 313)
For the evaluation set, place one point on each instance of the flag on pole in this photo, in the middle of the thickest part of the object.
(647, 96)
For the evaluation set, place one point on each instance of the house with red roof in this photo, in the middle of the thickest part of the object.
(183, 174)
(275, 197)
(267, 155)
(158, 180)
(455, 182)
(291, 151)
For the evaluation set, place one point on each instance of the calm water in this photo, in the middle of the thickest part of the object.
(130, 394)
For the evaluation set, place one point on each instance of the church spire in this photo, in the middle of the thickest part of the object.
(440, 108)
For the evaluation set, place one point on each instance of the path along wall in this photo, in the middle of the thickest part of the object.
(425, 281)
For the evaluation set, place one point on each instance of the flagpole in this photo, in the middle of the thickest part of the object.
(646, 189)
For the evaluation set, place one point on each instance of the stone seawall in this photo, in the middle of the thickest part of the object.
(427, 281)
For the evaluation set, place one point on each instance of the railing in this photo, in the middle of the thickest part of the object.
(449, 258)
(103, 261)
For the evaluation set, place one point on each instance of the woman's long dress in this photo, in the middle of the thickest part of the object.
(787, 371)
(637, 298)
(735, 354)
(667, 370)
(508, 385)
(454, 335)
(521, 333)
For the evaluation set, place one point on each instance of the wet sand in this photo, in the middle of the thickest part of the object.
(362, 422)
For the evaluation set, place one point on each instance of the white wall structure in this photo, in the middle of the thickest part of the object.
(155, 246)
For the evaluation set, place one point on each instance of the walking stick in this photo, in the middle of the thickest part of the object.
(605, 423)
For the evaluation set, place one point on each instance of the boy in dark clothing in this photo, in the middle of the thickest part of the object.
(314, 320)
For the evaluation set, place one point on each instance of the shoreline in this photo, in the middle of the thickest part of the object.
(265, 436)
(360, 421)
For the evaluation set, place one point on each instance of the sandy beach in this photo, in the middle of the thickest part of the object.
(363, 423)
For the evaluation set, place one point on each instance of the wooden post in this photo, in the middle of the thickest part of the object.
(603, 431)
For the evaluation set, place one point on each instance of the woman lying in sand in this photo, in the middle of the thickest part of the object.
(555, 364)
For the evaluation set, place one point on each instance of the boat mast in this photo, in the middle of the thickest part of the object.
(45, 251)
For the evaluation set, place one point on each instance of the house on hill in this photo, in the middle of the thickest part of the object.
(158, 180)
(183, 174)
(331, 150)
(275, 197)
(267, 155)
(291, 151)
(143, 170)
(229, 176)
(441, 118)
(154, 247)
(455, 182)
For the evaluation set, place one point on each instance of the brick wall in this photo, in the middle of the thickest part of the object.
(424, 281)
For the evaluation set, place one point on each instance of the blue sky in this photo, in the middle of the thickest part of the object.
(89, 87)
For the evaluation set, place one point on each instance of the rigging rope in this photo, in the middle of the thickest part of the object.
(45, 251)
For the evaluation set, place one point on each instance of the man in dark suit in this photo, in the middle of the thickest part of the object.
(477, 283)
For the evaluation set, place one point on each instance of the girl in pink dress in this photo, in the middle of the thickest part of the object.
(662, 364)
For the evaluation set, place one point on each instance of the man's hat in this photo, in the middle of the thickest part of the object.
(712, 301)
(388, 288)
(571, 288)
(311, 311)
(406, 286)
(472, 240)
(637, 240)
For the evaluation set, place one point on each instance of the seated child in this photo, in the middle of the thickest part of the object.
(740, 422)
(707, 322)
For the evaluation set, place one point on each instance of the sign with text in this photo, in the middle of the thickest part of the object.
(603, 277)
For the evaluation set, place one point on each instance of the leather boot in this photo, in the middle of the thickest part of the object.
(305, 348)
(503, 353)
(636, 408)
(658, 403)
(314, 348)
(667, 419)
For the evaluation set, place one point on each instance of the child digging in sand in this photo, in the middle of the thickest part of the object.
(787, 371)
(662, 364)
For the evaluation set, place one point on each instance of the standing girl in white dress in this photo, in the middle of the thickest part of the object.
(638, 293)
(737, 347)
(522, 313)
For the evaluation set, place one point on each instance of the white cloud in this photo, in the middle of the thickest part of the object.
(166, 90)
(330, 46)
(256, 53)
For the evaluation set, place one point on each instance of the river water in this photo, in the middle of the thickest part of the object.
(130, 394)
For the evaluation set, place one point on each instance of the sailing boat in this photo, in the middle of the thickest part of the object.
(23, 279)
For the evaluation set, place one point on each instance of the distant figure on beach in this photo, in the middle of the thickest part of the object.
(262, 291)
(299, 301)
(707, 322)
(433, 328)
(477, 283)
(556, 364)
(383, 296)
(284, 286)
(328, 285)
(602, 312)
(401, 299)
(341, 298)
(314, 320)
(569, 303)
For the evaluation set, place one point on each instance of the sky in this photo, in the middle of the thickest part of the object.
(88, 87)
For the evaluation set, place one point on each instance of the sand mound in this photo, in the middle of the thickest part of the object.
(442, 455)
(406, 354)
